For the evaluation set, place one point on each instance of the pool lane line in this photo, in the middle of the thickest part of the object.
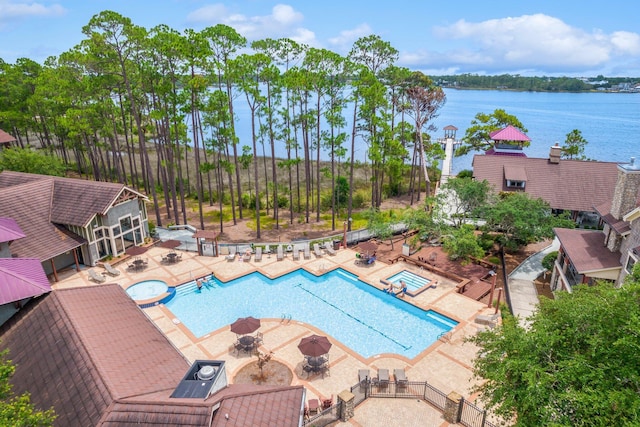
(353, 317)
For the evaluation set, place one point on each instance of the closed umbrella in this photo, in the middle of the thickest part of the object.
(245, 325)
(314, 346)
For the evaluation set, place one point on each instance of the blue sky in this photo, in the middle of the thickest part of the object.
(541, 37)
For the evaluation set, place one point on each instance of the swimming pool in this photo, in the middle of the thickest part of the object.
(415, 283)
(362, 317)
(147, 289)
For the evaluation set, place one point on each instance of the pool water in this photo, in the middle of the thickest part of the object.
(361, 316)
(147, 289)
(413, 281)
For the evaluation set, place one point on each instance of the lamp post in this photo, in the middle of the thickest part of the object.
(493, 287)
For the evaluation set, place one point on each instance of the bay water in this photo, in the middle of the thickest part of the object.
(610, 122)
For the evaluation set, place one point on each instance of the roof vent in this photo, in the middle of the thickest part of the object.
(204, 378)
(206, 373)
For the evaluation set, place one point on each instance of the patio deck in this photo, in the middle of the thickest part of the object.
(446, 365)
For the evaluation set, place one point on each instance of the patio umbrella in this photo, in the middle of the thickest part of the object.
(314, 346)
(136, 250)
(245, 325)
(170, 244)
(368, 246)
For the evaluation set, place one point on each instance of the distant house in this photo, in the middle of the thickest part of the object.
(610, 254)
(567, 185)
(94, 356)
(68, 222)
(20, 278)
(6, 139)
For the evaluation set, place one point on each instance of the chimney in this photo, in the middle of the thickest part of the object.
(555, 153)
(625, 195)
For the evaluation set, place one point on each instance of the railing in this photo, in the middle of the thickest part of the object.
(470, 415)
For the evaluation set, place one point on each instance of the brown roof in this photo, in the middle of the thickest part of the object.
(6, 138)
(73, 201)
(92, 355)
(30, 205)
(571, 184)
(586, 250)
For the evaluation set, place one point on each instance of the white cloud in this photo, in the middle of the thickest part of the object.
(284, 21)
(344, 41)
(530, 42)
(11, 11)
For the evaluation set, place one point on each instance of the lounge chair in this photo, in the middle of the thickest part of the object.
(258, 256)
(96, 277)
(280, 253)
(363, 375)
(329, 248)
(296, 253)
(307, 252)
(401, 379)
(110, 270)
(383, 377)
(247, 255)
(399, 375)
(317, 251)
(232, 254)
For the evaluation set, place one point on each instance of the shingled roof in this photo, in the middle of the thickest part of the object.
(21, 278)
(586, 250)
(92, 355)
(30, 205)
(10, 230)
(73, 201)
(570, 184)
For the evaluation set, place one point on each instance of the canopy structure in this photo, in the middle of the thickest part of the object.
(245, 325)
(314, 345)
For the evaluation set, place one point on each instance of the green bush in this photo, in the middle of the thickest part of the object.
(549, 259)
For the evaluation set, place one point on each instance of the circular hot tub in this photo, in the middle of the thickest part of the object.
(147, 289)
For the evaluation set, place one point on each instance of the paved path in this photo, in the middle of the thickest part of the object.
(522, 290)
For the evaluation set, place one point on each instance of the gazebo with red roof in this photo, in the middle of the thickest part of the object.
(508, 141)
(6, 139)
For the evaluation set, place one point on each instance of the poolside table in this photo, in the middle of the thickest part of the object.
(247, 342)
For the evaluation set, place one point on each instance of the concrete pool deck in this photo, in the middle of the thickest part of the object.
(446, 364)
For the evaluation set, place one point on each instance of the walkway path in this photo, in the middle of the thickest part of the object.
(522, 289)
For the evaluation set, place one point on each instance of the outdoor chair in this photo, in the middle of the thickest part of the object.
(401, 379)
(329, 248)
(96, 277)
(314, 406)
(383, 378)
(280, 253)
(307, 252)
(232, 254)
(110, 270)
(258, 255)
(296, 253)
(363, 375)
(317, 251)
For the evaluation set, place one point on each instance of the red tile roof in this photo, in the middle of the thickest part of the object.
(94, 356)
(509, 133)
(571, 184)
(10, 230)
(586, 250)
(6, 138)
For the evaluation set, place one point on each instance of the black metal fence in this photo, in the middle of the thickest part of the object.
(469, 415)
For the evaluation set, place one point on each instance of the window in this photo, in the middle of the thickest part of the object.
(630, 263)
(515, 184)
